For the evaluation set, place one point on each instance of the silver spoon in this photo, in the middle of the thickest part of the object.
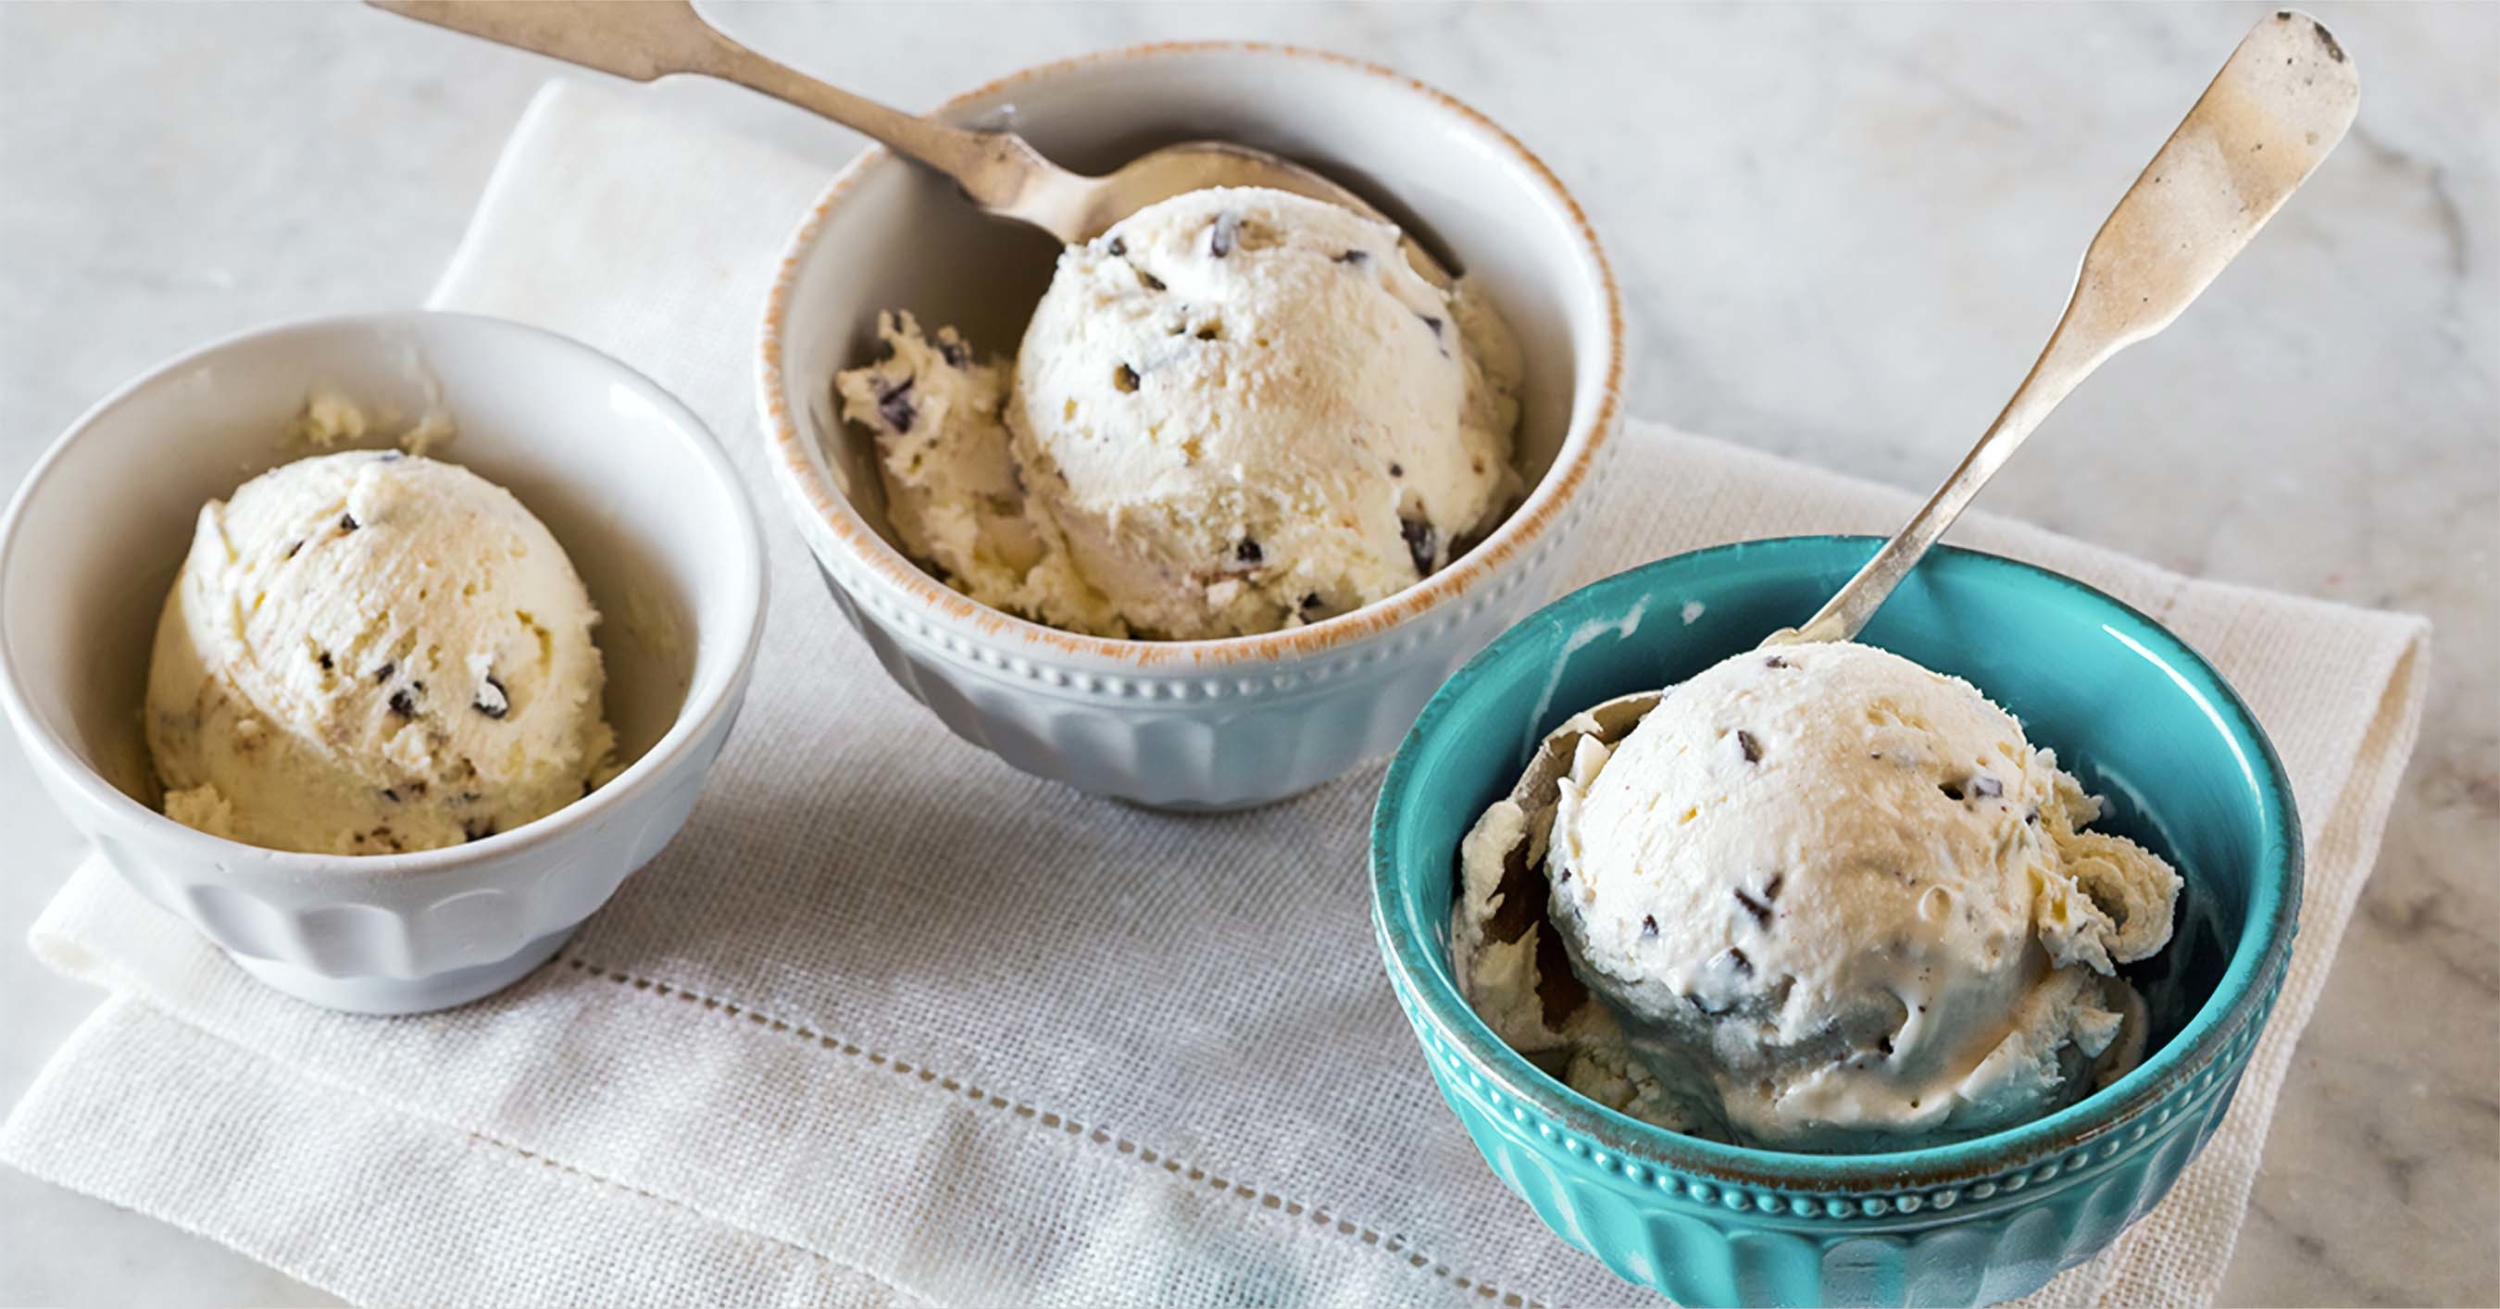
(998, 170)
(2273, 113)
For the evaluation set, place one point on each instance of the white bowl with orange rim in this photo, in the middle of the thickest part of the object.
(1189, 725)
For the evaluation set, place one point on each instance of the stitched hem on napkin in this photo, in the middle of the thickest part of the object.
(467, 1214)
(202, 1107)
(224, 1109)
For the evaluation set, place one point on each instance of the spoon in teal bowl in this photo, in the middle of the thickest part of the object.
(2280, 104)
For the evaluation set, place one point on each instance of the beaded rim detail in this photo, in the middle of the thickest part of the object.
(2177, 1110)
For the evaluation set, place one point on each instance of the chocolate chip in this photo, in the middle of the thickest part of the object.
(1311, 605)
(1952, 790)
(1211, 332)
(1561, 875)
(1124, 378)
(1431, 322)
(1987, 786)
(478, 829)
(1884, 1043)
(1397, 470)
(2334, 51)
(954, 353)
(383, 674)
(390, 795)
(894, 405)
(1704, 1007)
(347, 522)
(1776, 662)
(1423, 543)
(1649, 924)
(1736, 959)
(322, 657)
(586, 786)
(1751, 747)
(1761, 912)
(291, 549)
(492, 700)
(1249, 552)
(2032, 818)
(1220, 239)
(1118, 249)
(403, 704)
(1355, 258)
(1153, 283)
(1771, 889)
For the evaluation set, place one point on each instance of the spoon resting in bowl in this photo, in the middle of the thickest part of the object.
(2274, 112)
(998, 170)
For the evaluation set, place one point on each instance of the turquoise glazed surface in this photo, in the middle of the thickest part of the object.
(2138, 716)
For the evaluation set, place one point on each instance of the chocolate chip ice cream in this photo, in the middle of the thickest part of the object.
(1819, 899)
(1236, 411)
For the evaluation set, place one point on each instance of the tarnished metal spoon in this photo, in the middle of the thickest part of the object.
(2272, 115)
(998, 170)
(2279, 105)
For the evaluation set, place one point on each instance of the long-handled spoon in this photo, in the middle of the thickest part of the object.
(998, 170)
(2277, 108)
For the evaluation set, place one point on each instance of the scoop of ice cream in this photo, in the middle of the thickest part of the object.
(1236, 411)
(1240, 406)
(370, 653)
(1830, 900)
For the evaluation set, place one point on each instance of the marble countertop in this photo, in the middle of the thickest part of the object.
(1842, 234)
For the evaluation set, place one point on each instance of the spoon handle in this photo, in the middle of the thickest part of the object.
(651, 39)
(2277, 108)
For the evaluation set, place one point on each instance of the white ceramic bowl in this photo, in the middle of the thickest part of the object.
(640, 495)
(1191, 724)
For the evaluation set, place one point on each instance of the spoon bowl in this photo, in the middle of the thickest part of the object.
(1098, 203)
(998, 170)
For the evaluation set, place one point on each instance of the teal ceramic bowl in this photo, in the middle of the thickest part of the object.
(2137, 715)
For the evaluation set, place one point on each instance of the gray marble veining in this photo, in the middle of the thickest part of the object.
(1841, 233)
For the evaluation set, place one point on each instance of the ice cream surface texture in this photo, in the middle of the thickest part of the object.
(1824, 900)
(372, 653)
(1236, 411)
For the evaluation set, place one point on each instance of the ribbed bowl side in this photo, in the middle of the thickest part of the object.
(354, 927)
(1243, 736)
(1702, 1241)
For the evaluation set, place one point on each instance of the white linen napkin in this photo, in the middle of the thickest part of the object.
(893, 1023)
